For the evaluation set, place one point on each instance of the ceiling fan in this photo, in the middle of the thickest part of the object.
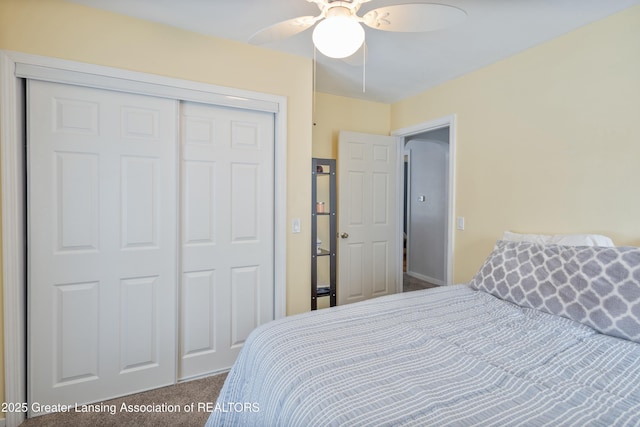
(339, 32)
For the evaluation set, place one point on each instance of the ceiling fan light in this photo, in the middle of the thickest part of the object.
(338, 36)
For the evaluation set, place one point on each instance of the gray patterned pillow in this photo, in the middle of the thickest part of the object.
(596, 286)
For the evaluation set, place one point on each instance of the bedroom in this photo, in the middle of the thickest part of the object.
(547, 139)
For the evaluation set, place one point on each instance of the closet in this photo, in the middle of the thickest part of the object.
(150, 234)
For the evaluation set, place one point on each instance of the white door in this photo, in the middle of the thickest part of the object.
(102, 243)
(227, 233)
(367, 225)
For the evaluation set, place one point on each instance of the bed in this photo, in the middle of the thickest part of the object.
(542, 335)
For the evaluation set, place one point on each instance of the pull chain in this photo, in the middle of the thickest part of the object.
(315, 62)
(364, 66)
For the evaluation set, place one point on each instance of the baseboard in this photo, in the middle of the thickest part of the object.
(201, 376)
(426, 278)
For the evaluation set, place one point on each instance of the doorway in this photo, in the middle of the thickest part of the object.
(427, 208)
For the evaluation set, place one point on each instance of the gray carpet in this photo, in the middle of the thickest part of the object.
(201, 393)
(410, 283)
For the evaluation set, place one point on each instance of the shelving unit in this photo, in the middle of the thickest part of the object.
(323, 231)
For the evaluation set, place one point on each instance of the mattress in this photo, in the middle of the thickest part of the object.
(445, 356)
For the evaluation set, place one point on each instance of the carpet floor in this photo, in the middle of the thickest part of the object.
(185, 404)
(410, 283)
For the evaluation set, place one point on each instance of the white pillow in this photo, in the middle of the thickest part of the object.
(560, 239)
(581, 240)
(541, 239)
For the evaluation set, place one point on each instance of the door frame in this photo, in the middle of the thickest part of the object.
(402, 135)
(14, 68)
(406, 211)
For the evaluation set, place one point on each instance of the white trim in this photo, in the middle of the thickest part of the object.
(425, 278)
(447, 121)
(399, 212)
(100, 77)
(406, 210)
(13, 239)
(280, 212)
(425, 126)
(16, 65)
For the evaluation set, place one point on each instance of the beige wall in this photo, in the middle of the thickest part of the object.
(548, 140)
(335, 113)
(65, 30)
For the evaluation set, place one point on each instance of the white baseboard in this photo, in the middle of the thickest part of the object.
(426, 278)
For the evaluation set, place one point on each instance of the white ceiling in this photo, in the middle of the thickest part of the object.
(398, 64)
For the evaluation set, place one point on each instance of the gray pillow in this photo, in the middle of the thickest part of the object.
(596, 286)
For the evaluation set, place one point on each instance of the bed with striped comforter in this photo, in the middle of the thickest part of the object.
(439, 357)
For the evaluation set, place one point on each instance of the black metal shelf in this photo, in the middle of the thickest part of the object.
(321, 169)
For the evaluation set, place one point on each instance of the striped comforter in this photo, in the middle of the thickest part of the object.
(439, 357)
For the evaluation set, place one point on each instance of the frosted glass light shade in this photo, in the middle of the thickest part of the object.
(338, 36)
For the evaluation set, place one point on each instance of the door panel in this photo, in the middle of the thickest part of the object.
(380, 271)
(245, 199)
(198, 214)
(139, 186)
(227, 233)
(139, 332)
(198, 313)
(77, 194)
(76, 344)
(102, 181)
(245, 289)
(380, 199)
(368, 264)
(352, 273)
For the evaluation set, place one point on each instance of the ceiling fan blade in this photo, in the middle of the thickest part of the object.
(413, 18)
(283, 29)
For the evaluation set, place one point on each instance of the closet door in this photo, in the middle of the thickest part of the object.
(227, 233)
(102, 243)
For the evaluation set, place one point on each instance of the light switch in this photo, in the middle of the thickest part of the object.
(422, 198)
(460, 223)
(295, 227)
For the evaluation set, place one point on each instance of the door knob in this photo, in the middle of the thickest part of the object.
(344, 235)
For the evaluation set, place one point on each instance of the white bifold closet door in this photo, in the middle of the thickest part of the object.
(227, 211)
(102, 243)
